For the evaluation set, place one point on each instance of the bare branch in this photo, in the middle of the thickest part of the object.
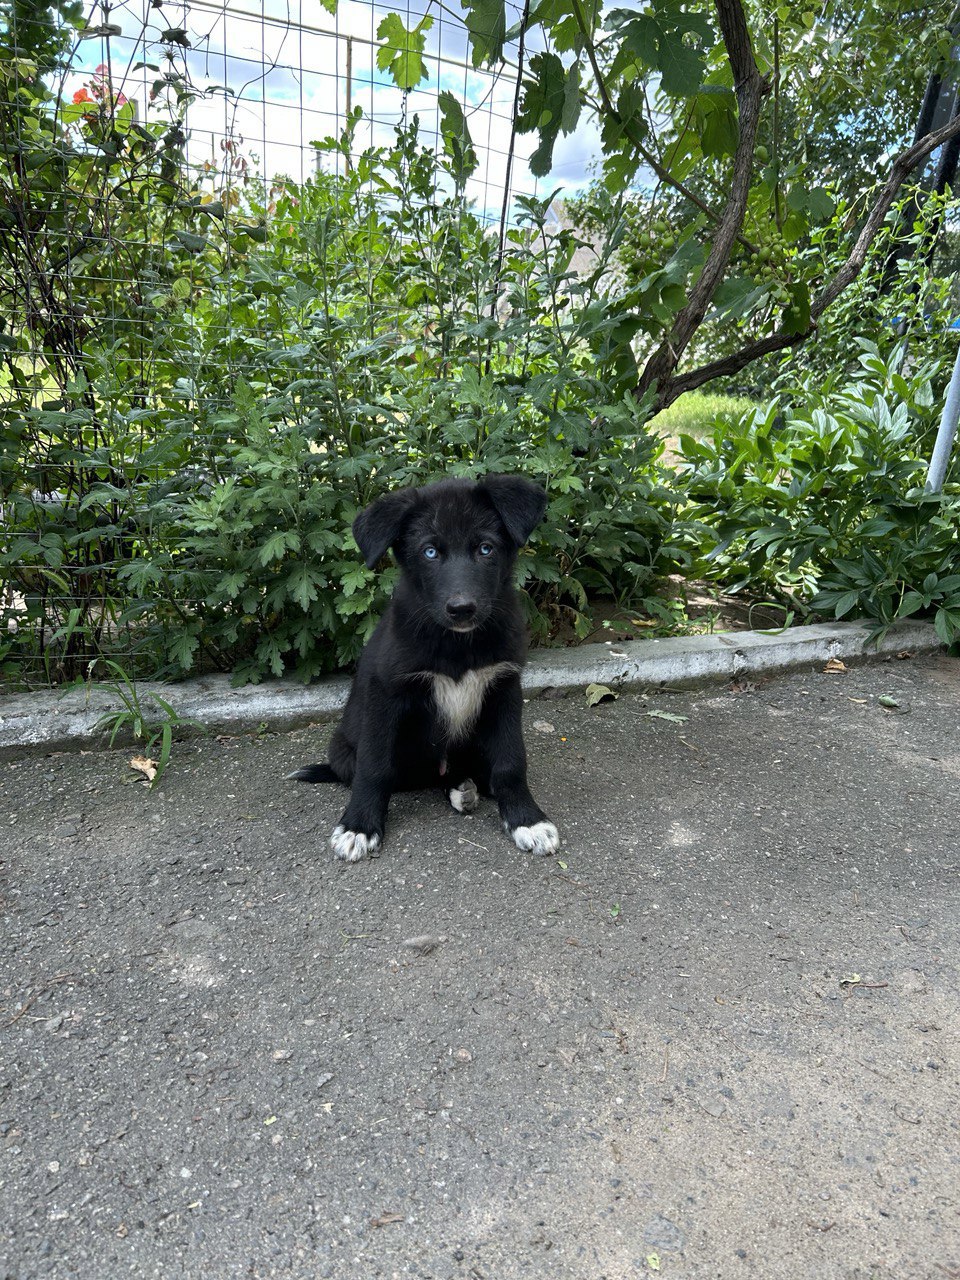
(647, 156)
(750, 88)
(903, 166)
(727, 365)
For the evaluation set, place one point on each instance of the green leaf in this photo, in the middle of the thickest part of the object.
(302, 583)
(736, 297)
(182, 649)
(720, 132)
(571, 99)
(910, 603)
(542, 107)
(124, 118)
(796, 316)
(947, 624)
(354, 579)
(847, 600)
(681, 68)
(456, 137)
(191, 242)
(277, 545)
(402, 51)
(815, 202)
(638, 41)
(486, 22)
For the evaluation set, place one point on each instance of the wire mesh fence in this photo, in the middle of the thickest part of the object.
(221, 224)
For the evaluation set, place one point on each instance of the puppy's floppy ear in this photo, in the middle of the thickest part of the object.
(519, 502)
(378, 526)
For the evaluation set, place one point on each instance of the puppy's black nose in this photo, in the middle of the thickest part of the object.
(461, 609)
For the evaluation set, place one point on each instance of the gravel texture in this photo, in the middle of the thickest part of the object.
(717, 1036)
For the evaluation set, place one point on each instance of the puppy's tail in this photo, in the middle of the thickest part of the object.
(313, 773)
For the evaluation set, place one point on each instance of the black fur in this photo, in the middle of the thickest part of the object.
(453, 613)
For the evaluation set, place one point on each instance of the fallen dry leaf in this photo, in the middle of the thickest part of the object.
(145, 766)
(599, 693)
(835, 667)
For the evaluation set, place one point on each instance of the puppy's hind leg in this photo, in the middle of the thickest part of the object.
(465, 797)
(343, 761)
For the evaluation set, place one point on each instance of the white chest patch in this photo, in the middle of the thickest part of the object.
(459, 701)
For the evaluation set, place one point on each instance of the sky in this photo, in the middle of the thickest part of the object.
(285, 65)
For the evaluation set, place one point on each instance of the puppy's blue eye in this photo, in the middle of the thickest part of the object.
(485, 549)
(431, 553)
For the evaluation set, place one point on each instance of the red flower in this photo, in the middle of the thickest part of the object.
(82, 96)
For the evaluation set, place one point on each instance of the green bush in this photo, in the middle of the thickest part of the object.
(700, 413)
(225, 375)
(822, 501)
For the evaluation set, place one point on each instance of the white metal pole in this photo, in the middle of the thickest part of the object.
(946, 433)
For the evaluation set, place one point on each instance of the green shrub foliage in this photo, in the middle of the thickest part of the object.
(820, 498)
(202, 382)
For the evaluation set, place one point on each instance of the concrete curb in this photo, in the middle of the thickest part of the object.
(52, 721)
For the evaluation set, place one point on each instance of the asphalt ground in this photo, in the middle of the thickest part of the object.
(716, 1036)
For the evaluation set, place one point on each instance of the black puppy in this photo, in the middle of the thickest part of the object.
(436, 699)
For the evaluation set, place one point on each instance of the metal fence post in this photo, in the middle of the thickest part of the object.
(946, 433)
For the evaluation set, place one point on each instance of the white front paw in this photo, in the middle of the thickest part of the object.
(351, 846)
(542, 838)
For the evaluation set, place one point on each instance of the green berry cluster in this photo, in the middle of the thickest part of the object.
(769, 264)
(657, 237)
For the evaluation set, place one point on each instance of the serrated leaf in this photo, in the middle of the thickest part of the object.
(720, 133)
(681, 68)
(486, 23)
(638, 41)
(542, 108)
(182, 649)
(668, 715)
(571, 99)
(402, 50)
(302, 583)
(456, 137)
(353, 580)
(277, 544)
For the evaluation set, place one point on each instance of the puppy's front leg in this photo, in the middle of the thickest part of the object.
(500, 733)
(361, 828)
